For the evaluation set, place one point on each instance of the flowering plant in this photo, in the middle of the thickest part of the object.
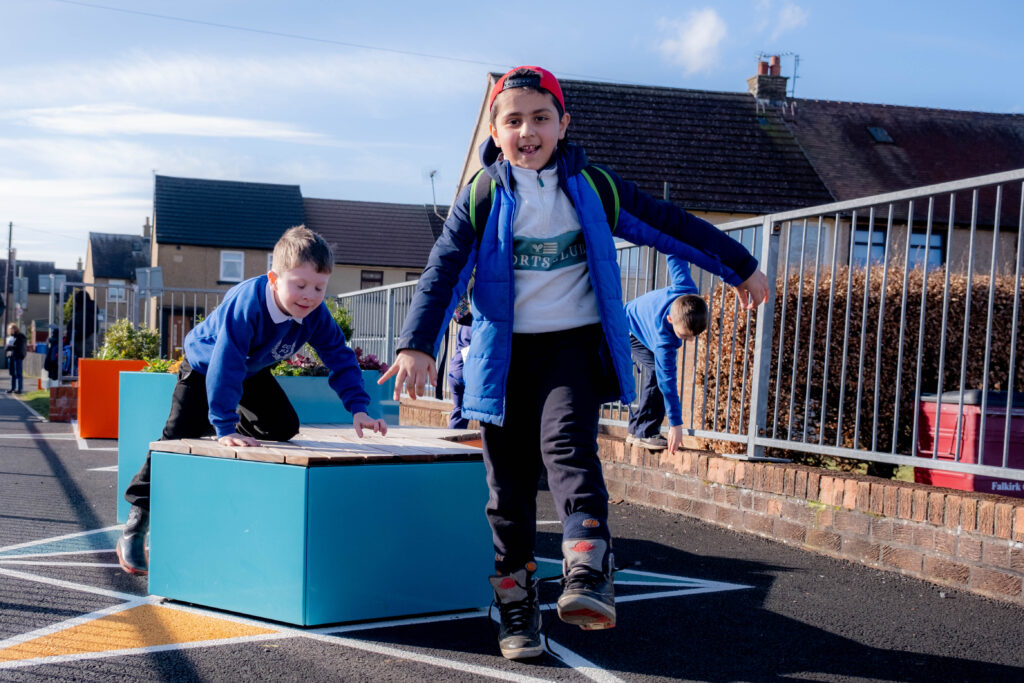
(301, 366)
(370, 361)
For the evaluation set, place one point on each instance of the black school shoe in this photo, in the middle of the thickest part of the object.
(588, 592)
(132, 552)
(515, 595)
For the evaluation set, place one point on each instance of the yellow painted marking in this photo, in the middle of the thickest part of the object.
(137, 627)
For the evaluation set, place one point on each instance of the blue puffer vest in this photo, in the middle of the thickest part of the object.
(486, 367)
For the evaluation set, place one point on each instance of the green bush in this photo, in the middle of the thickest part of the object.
(124, 341)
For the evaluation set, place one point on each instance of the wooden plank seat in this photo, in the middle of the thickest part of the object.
(324, 528)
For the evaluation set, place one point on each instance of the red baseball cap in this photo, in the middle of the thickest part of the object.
(545, 80)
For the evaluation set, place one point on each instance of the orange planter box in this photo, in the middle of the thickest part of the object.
(98, 382)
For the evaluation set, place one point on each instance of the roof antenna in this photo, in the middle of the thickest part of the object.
(433, 191)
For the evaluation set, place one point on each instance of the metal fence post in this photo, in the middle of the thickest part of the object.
(769, 258)
(389, 328)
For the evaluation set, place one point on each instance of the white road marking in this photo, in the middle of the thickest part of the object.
(45, 541)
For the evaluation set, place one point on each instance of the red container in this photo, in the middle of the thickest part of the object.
(937, 432)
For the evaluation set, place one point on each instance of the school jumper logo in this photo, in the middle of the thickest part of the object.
(562, 251)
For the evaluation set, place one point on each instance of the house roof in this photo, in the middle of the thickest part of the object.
(375, 233)
(32, 270)
(715, 149)
(920, 147)
(224, 213)
(117, 256)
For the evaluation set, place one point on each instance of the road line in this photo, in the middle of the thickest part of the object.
(52, 539)
(68, 584)
(30, 563)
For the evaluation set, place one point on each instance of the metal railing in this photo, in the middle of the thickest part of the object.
(880, 303)
(81, 313)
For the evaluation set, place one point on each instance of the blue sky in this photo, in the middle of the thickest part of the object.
(362, 100)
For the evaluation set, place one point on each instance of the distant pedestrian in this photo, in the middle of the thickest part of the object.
(16, 349)
(464, 319)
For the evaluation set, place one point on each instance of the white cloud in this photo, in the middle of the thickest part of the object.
(790, 17)
(107, 120)
(695, 42)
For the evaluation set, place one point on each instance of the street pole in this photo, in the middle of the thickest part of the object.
(7, 275)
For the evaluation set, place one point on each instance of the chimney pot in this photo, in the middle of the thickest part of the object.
(762, 68)
(775, 66)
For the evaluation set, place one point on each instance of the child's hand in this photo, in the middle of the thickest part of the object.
(753, 291)
(413, 368)
(363, 421)
(675, 438)
(237, 439)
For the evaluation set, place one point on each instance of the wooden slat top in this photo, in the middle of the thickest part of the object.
(337, 444)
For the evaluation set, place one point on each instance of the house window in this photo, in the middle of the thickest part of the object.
(862, 250)
(116, 292)
(410, 277)
(232, 266)
(930, 251)
(370, 278)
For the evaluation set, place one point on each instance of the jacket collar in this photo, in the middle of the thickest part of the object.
(570, 160)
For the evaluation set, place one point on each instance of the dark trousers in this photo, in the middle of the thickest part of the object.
(646, 420)
(556, 384)
(455, 383)
(14, 367)
(264, 410)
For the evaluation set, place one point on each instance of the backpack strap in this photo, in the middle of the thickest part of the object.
(481, 198)
(603, 185)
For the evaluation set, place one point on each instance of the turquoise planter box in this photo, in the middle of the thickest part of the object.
(319, 545)
(145, 402)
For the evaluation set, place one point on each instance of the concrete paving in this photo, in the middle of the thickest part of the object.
(697, 603)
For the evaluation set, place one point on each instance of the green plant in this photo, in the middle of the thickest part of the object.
(342, 317)
(159, 365)
(124, 341)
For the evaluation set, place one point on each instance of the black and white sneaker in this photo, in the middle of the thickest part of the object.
(515, 595)
(652, 443)
(588, 592)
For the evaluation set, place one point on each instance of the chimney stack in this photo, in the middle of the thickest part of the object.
(769, 84)
(146, 228)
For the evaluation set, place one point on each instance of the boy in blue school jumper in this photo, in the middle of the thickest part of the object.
(550, 342)
(224, 383)
(659, 323)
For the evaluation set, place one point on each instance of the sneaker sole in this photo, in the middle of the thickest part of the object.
(129, 569)
(523, 652)
(587, 613)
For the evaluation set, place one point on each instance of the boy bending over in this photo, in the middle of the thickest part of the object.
(224, 383)
(550, 341)
(659, 323)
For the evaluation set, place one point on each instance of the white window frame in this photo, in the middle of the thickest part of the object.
(228, 258)
(116, 291)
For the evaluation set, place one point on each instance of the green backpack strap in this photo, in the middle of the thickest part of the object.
(481, 197)
(602, 184)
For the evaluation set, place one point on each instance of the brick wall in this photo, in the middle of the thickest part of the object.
(969, 541)
(63, 403)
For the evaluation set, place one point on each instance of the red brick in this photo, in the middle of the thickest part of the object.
(996, 554)
(850, 496)
(797, 512)
(902, 558)
(773, 507)
(936, 508)
(823, 517)
(788, 481)
(906, 504)
(778, 475)
(939, 569)
(616, 488)
(838, 491)
(881, 529)
(877, 506)
(758, 524)
(864, 495)
(788, 532)
(892, 501)
(718, 494)
(1004, 520)
(1017, 559)
(658, 499)
(1018, 523)
(856, 523)
(860, 550)
(969, 514)
(945, 543)
(746, 499)
(823, 540)
(986, 517)
(680, 504)
(903, 533)
(760, 503)
(827, 484)
(729, 517)
(920, 512)
(729, 471)
(704, 510)
(813, 486)
(800, 484)
(969, 549)
(953, 511)
(995, 582)
(924, 538)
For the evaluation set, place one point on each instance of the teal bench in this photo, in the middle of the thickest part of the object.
(322, 529)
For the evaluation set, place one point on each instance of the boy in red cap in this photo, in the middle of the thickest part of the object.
(550, 339)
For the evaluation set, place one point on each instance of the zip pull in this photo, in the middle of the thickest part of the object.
(540, 180)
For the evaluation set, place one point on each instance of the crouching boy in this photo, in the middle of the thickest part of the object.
(550, 341)
(224, 383)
